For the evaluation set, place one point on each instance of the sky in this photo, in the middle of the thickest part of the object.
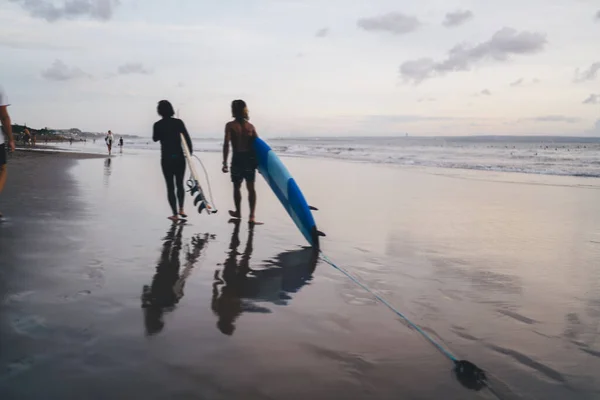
(306, 67)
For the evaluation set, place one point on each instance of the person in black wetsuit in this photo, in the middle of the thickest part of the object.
(168, 131)
(241, 134)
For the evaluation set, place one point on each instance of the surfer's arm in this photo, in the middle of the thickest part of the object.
(187, 137)
(155, 134)
(226, 141)
(6, 124)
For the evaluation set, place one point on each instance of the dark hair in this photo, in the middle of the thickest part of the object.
(165, 109)
(239, 110)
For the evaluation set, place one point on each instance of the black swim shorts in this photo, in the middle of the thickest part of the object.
(243, 166)
(2, 154)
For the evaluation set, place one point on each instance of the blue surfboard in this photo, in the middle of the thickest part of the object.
(287, 191)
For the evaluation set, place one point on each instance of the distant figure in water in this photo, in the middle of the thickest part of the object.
(70, 141)
(241, 134)
(109, 139)
(94, 140)
(121, 142)
(168, 131)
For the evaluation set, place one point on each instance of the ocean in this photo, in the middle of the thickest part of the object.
(544, 155)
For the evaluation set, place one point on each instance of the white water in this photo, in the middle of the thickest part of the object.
(532, 155)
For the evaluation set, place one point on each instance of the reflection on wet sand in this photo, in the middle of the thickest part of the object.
(167, 285)
(107, 170)
(237, 288)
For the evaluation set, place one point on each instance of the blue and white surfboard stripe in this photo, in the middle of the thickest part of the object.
(285, 188)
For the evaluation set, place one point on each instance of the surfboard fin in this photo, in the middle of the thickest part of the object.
(321, 234)
(313, 208)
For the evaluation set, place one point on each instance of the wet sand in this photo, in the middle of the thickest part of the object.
(103, 298)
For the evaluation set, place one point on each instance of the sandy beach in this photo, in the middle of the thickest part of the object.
(103, 298)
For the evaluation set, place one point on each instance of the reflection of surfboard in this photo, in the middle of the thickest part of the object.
(194, 182)
(287, 191)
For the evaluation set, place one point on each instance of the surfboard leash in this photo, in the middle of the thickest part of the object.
(467, 373)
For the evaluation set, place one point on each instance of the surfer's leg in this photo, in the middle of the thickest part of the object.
(237, 199)
(251, 199)
(167, 169)
(179, 173)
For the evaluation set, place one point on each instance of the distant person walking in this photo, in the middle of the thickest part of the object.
(168, 131)
(27, 137)
(109, 139)
(241, 134)
(6, 131)
(121, 141)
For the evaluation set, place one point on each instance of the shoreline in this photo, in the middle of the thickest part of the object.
(23, 152)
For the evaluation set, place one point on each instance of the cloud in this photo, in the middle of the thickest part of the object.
(70, 9)
(321, 33)
(524, 82)
(592, 99)
(59, 71)
(457, 18)
(499, 47)
(518, 82)
(133, 68)
(556, 118)
(598, 15)
(587, 74)
(485, 92)
(395, 23)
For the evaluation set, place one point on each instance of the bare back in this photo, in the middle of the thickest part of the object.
(240, 135)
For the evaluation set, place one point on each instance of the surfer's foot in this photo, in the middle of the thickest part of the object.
(182, 213)
(173, 218)
(235, 214)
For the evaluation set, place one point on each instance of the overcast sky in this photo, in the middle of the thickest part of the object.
(306, 67)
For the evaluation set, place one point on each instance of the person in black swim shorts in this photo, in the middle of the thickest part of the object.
(241, 133)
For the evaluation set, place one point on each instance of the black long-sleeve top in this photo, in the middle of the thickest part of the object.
(167, 131)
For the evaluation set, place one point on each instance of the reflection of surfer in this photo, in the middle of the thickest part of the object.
(167, 285)
(238, 287)
(227, 304)
(241, 134)
(168, 131)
